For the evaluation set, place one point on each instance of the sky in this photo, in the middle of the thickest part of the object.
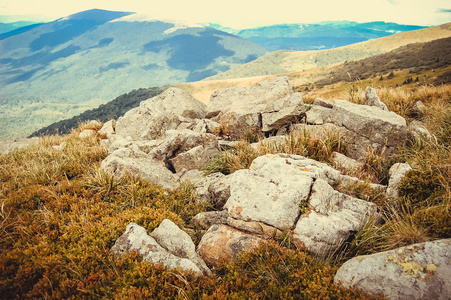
(249, 13)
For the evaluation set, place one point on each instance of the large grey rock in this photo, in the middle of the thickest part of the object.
(323, 103)
(125, 162)
(372, 99)
(178, 242)
(223, 243)
(136, 238)
(318, 115)
(344, 162)
(332, 219)
(156, 115)
(396, 173)
(195, 158)
(283, 112)
(369, 127)
(179, 141)
(271, 164)
(267, 105)
(212, 189)
(420, 271)
(270, 192)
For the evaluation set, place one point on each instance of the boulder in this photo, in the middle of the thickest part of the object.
(178, 242)
(156, 115)
(318, 115)
(332, 219)
(256, 228)
(420, 271)
(275, 165)
(126, 162)
(108, 128)
(211, 189)
(223, 243)
(176, 142)
(207, 219)
(136, 239)
(369, 127)
(279, 188)
(371, 99)
(195, 158)
(344, 162)
(268, 105)
(283, 112)
(396, 173)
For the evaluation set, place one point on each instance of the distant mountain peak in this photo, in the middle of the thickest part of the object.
(98, 15)
(139, 17)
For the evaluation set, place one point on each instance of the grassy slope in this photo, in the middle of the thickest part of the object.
(429, 61)
(280, 62)
(60, 215)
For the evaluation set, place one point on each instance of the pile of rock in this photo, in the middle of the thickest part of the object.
(168, 139)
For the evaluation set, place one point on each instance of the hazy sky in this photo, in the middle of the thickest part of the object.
(248, 13)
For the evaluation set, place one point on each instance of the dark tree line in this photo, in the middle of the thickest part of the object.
(105, 112)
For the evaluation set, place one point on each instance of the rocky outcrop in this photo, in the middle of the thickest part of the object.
(108, 128)
(168, 140)
(167, 245)
(290, 192)
(368, 127)
(364, 127)
(267, 106)
(420, 271)
(205, 220)
(166, 111)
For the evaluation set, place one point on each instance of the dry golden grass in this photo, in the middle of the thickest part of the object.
(319, 145)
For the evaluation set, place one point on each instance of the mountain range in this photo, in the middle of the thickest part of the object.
(283, 61)
(322, 35)
(429, 61)
(56, 70)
